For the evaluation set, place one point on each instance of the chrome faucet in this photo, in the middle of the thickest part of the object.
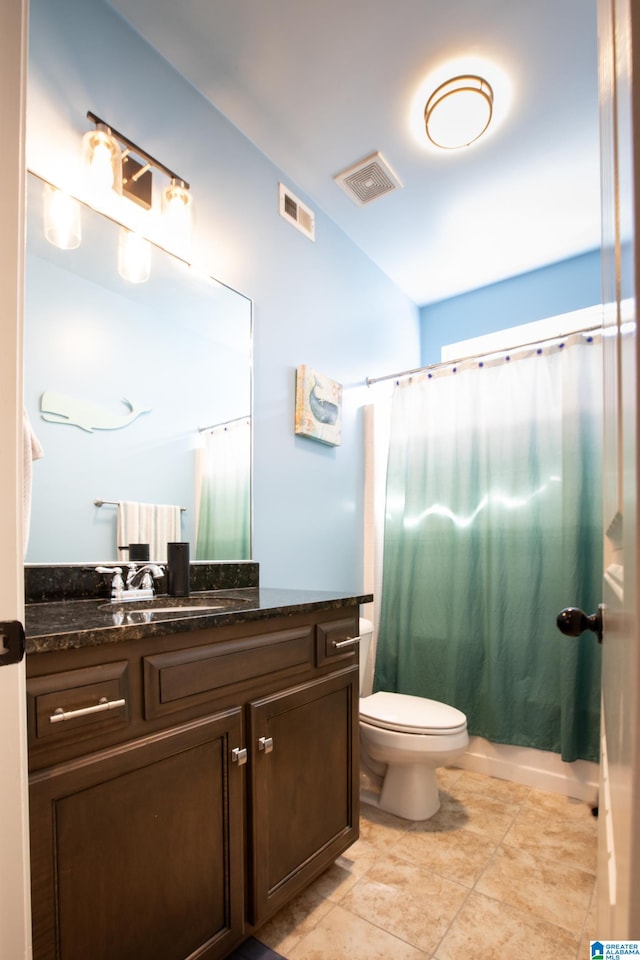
(139, 581)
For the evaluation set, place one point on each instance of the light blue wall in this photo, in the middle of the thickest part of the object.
(562, 287)
(323, 304)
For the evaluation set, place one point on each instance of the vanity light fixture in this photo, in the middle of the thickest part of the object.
(62, 222)
(458, 112)
(177, 212)
(134, 257)
(131, 166)
(103, 160)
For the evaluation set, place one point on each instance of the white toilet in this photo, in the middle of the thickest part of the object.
(403, 739)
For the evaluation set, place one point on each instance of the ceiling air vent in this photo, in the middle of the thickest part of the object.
(368, 180)
(296, 212)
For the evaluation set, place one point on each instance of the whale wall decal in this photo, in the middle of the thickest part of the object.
(318, 406)
(58, 407)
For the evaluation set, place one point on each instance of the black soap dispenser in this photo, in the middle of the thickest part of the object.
(178, 570)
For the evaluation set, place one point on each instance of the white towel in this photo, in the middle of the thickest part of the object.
(153, 523)
(31, 450)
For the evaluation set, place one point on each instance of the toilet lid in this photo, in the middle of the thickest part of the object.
(407, 714)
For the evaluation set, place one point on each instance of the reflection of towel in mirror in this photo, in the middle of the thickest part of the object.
(153, 523)
(31, 450)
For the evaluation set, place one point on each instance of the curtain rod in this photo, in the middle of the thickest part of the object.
(115, 503)
(225, 423)
(481, 356)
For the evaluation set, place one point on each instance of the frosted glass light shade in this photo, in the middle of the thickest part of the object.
(134, 257)
(458, 112)
(177, 214)
(62, 220)
(103, 159)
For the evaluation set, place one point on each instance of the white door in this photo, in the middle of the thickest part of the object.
(619, 820)
(15, 922)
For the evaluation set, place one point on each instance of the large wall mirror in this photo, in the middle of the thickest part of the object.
(136, 393)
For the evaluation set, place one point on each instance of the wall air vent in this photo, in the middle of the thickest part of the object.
(296, 212)
(367, 180)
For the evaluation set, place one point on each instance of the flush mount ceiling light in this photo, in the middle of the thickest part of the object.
(116, 163)
(458, 112)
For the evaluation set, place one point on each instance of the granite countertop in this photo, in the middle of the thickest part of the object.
(69, 624)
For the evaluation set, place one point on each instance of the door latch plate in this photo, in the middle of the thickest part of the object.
(11, 642)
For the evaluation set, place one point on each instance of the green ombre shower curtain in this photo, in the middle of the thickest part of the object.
(224, 479)
(493, 525)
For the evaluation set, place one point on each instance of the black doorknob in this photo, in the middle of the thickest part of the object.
(572, 622)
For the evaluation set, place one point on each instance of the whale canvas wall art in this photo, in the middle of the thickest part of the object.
(318, 406)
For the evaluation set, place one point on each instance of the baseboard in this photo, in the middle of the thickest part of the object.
(535, 768)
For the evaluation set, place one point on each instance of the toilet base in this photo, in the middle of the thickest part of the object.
(410, 791)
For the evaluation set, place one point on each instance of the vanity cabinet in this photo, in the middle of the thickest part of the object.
(219, 779)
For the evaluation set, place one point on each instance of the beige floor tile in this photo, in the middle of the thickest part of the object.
(343, 936)
(448, 776)
(407, 901)
(381, 829)
(570, 841)
(473, 811)
(551, 891)
(487, 928)
(289, 926)
(342, 875)
(506, 790)
(459, 855)
(559, 807)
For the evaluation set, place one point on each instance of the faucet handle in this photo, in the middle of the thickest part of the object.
(117, 583)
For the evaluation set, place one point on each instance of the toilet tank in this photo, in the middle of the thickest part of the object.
(365, 631)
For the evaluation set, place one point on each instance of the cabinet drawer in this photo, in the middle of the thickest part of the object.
(337, 641)
(173, 681)
(85, 702)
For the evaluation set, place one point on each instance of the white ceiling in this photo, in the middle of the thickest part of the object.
(319, 85)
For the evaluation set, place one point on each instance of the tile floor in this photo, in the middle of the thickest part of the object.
(501, 870)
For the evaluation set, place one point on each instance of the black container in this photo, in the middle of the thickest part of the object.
(138, 551)
(178, 569)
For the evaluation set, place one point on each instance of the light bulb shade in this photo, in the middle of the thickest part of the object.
(177, 214)
(103, 159)
(62, 220)
(458, 112)
(134, 257)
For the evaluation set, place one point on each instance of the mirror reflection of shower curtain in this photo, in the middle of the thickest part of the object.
(223, 475)
(493, 525)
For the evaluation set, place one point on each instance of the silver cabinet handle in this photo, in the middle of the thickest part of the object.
(101, 706)
(266, 744)
(239, 755)
(349, 642)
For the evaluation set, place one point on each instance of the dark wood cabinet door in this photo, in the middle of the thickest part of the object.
(137, 851)
(304, 785)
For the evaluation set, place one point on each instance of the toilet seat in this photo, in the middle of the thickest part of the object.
(408, 714)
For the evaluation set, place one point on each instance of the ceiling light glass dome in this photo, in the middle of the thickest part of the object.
(458, 112)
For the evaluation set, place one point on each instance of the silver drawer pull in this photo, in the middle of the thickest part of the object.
(100, 707)
(266, 744)
(349, 642)
(239, 755)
